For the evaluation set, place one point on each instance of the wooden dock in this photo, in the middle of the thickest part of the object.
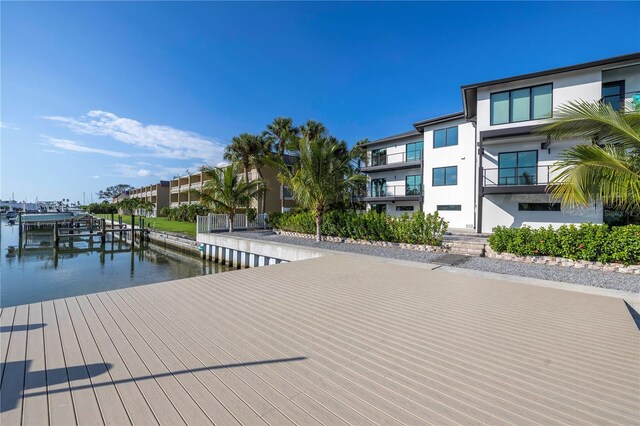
(334, 340)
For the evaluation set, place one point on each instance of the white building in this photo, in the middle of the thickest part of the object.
(487, 166)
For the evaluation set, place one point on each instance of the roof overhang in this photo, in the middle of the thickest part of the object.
(420, 125)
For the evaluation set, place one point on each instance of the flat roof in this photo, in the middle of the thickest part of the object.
(392, 138)
(419, 125)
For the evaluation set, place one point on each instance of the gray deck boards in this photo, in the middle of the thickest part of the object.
(334, 340)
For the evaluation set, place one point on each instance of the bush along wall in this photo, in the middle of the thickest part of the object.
(417, 228)
(591, 242)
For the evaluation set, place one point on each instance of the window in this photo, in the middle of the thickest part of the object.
(518, 168)
(445, 137)
(414, 151)
(378, 187)
(444, 176)
(539, 207)
(379, 157)
(613, 94)
(413, 185)
(379, 208)
(404, 208)
(449, 207)
(529, 103)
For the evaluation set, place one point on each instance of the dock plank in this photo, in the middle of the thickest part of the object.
(61, 410)
(35, 405)
(112, 408)
(339, 339)
(84, 399)
(13, 378)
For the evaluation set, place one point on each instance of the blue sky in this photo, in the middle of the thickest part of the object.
(95, 94)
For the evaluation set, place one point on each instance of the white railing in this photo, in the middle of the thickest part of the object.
(220, 222)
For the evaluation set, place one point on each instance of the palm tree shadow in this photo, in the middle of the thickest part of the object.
(13, 390)
(9, 328)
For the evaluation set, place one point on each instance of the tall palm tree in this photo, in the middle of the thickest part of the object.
(324, 176)
(261, 156)
(607, 169)
(240, 150)
(284, 134)
(312, 130)
(226, 191)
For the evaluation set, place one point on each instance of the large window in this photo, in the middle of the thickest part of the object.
(414, 151)
(379, 208)
(529, 103)
(613, 94)
(413, 185)
(404, 208)
(518, 168)
(449, 207)
(379, 157)
(445, 176)
(378, 187)
(445, 137)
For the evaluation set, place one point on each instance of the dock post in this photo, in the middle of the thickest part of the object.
(56, 236)
(112, 221)
(103, 235)
(120, 223)
(133, 229)
(142, 229)
(20, 225)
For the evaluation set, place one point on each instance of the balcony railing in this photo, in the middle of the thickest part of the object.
(395, 158)
(394, 191)
(518, 176)
(629, 101)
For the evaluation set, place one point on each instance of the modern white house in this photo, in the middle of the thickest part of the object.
(486, 166)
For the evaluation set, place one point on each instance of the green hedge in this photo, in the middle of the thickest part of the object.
(585, 242)
(417, 228)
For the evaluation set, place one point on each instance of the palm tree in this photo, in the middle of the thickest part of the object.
(261, 156)
(312, 130)
(284, 134)
(241, 151)
(607, 169)
(225, 191)
(324, 176)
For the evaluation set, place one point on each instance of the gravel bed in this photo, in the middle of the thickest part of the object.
(589, 277)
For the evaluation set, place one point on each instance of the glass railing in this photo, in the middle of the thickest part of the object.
(504, 176)
(629, 101)
(394, 191)
(398, 157)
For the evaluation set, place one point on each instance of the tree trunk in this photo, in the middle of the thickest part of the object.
(246, 180)
(231, 217)
(318, 228)
(264, 195)
(282, 186)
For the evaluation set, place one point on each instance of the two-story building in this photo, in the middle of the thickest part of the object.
(488, 165)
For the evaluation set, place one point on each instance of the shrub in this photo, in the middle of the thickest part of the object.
(587, 241)
(418, 228)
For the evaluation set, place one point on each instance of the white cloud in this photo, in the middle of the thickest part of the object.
(162, 141)
(7, 126)
(95, 177)
(73, 146)
(153, 170)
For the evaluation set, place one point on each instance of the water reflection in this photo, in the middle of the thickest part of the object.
(33, 269)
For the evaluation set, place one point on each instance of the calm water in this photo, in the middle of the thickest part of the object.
(35, 272)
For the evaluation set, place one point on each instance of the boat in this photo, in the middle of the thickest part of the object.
(53, 216)
(11, 214)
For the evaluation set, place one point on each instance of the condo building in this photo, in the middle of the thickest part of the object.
(486, 165)
(158, 194)
(182, 189)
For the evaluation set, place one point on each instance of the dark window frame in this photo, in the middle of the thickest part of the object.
(549, 207)
(377, 206)
(420, 152)
(376, 155)
(383, 188)
(618, 83)
(446, 137)
(491, 123)
(404, 208)
(517, 167)
(406, 185)
(433, 171)
(449, 207)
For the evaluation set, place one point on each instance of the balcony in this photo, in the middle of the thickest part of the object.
(517, 180)
(394, 193)
(397, 161)
(629, 101)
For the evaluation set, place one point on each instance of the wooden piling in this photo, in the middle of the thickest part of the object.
(56, 234)
(133, 228)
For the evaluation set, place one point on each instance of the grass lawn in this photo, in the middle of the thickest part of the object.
(160, 224)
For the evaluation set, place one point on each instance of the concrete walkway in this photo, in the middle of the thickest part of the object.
(339, 339)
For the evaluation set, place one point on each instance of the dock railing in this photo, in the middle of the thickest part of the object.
(220, 222)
